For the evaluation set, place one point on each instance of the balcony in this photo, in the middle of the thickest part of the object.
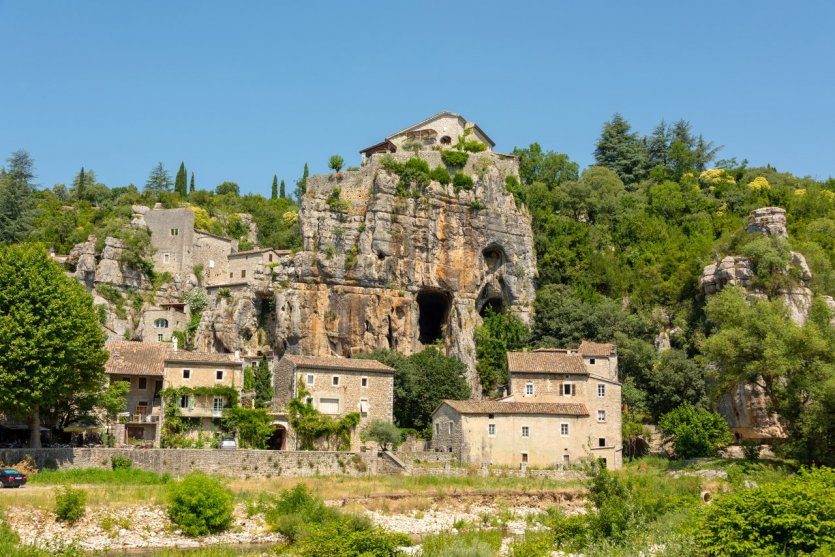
(202, 411)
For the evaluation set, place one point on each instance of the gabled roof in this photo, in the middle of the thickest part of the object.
(350, 364)
(256, 251)
(440, 115)
(500, 407)
(136, 358)
(588, 348)
(202, 357)
(545, 361)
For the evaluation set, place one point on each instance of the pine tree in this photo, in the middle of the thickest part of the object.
(301, 185)
(79, 185)
(17, 201)
(658, 145)
(274, 193)
(191, 186)
(159, 180)
(180, 185)
(282, 194)
(704, 152)
(263, 385)
(621, 150)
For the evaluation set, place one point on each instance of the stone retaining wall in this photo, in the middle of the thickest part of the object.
(501, 473)
(240, 462)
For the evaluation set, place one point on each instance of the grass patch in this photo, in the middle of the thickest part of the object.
(93, 476)
(469, 543)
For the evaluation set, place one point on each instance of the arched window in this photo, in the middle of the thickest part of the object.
(161, 323)
(446, 140)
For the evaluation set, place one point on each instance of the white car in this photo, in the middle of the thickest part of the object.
(228, 443)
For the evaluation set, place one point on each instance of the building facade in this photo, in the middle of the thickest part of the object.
(564, 406)
(335, 387)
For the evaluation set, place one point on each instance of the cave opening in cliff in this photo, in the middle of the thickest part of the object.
(433, 311)
(496, 305)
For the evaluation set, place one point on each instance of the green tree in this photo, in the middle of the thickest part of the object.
(191, 185)
(564, 316)
(282, 193)
(180, 184)
(228, 188)
(49, 330)
(673, 380)
(301, 184)
(252, 425)
(421, 382)
(621, 150)
(498, 334)
(547, 167)
(274, 191)
(385, 434)
(113, 400)
(263, 379)
(335, 163)
(17, 205)
(312, 427)
(695, 432)
(159, 180)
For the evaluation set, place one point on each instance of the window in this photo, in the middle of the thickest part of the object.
(335, 381)
(217, 404)
(143, 383)
(142, 407)
(271, 258)
(364, 382)
(160, 338)
(364, 406)
(601, 442)
(564, 430)
(603, 463)
(231, 274)
(161, 323)
(601, 390)
(175, 231)
(601, 416)
(591, 361)
(243, 273)
(219, 375)
(568, 389)
(437, 428)
(184, 401)
(491, 429)
(446, 140)
(166, 258)
(309, 378)
(309, 400)
(186, 374)
(450, 428)
(329, 405)
(490, 416)
(529, 389)
(524, 458)
(526, 432)
(157, 387)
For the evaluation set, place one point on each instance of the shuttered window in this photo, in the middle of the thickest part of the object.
(329, 405)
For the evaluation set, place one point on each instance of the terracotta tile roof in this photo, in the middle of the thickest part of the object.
(358, 364)
(588, 348)
(545, 361)
(202, 357)
(257, 251)
(499, 407)
(136, 358)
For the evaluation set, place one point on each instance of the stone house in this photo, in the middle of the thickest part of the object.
(159, 322)
(569, 398)
(438, 131)
(142, 366)
(197, 374)
(336, 387)
(242, 265)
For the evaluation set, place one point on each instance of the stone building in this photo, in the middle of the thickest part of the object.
(336, 387)
(441, 130)
(142, 366)
(160, 321)
(564, 406)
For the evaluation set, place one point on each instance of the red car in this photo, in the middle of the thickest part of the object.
(11, 478)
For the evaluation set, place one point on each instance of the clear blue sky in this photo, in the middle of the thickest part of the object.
(241, 91)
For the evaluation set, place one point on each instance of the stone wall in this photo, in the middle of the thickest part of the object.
(236, 463)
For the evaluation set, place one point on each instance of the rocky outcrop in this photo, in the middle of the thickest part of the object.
(382, 270)
(768, 221)
(748, 410)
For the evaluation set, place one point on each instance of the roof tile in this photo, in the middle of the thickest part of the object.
(588, 348)
(358, 364)
(136, 358)
(545, 361)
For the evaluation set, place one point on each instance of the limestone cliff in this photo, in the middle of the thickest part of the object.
(382, 270)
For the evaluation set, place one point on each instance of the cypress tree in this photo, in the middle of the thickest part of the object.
(274, 194)
(180, 181)
(281, 193)
(191, 187)
(301, 185)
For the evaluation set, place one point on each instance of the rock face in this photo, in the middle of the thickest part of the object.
(768, 221)
(382, 270)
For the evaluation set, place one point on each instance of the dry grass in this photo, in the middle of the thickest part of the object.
(43, 497)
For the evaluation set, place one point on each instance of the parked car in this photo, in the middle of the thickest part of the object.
(12, 478)
(228, 443)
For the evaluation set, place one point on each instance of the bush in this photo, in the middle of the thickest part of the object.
(441, 175)
(335, 163)
(454, 158)
(695, 432)
(461, 181)
(382, 432)
(751, 450)
(70, 504)
(200, 505)
(794, 516)
(120, 462)
(474, 146)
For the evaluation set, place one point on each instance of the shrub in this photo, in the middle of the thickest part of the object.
(335, 163)
(794, 516)
(477, 205)
(695, 432)
(461, 181)
(441, 175)
(474, 146)
(454, 158)
(514, 187)
(70, 504)
(382, 432)
(120, 462)
(751, 450)
(200, 505)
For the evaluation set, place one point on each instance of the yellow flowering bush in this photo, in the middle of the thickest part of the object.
(759, 183)
(716, 176)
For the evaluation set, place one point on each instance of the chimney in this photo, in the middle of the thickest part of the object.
(174, 343)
